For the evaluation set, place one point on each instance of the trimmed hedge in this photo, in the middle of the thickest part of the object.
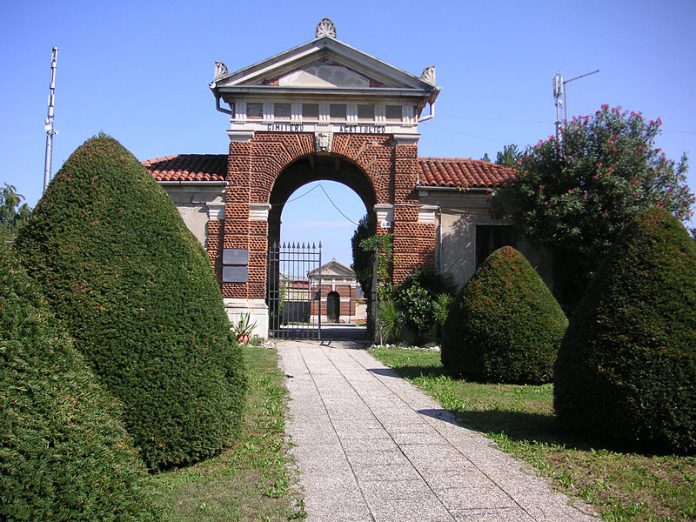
(64, 455)
(626, 371)
(136, 291)
(505, 325)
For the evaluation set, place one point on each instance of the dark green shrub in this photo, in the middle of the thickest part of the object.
(505, 325)
(389, 322)
(64, 455)
(136, 291)
(419, 300)
(626, 370)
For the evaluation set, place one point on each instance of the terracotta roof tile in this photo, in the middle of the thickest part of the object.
(188, 167)
(462, 172)
(432, 172)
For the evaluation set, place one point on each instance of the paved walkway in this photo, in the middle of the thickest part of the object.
(371, 447)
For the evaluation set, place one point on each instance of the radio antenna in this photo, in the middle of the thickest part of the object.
(50, 131)
(559, 95)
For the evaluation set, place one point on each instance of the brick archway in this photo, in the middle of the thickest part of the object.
(325, 99)
(312, 168)
(383, 171)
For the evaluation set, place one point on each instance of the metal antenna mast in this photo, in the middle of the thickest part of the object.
(559, 94)
(50, 131)
(559, 97)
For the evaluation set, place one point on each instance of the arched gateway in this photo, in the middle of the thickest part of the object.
(323, 110)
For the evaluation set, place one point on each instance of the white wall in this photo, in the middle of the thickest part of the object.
(459, 214)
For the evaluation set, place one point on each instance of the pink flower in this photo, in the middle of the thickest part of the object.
(605, 106)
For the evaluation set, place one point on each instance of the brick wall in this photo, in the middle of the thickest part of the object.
(214, 246)
(254, 167)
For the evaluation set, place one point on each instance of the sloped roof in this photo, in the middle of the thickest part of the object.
(262, 76)
(462, 173)
(432, 172)
(188, 167)
(335, 266)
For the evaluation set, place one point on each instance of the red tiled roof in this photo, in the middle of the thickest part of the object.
(188, 167)
(432, 172)
(462, 172)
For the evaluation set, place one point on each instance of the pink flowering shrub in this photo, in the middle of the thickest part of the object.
(574, 197)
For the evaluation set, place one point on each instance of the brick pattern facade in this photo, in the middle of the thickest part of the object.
(214, 245)
(346, 294)
(255, 165)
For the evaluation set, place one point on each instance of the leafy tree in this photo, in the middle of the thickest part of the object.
(421, 299)
(136, 292)
(626, 370)
(574, 198)
(509, 156)
(13, 213)
(362, 259)
(486, 157)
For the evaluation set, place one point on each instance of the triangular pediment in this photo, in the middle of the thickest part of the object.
(323, 74)
(323, 63)
(332, 269)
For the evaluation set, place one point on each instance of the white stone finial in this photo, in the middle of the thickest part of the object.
(326, 28)
(428, 75)
(220, 70)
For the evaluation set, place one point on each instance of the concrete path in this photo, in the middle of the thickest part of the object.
(371, 447)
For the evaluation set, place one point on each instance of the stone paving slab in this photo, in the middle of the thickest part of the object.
(372, 447)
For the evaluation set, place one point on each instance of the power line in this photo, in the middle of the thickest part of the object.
(469, 134)
(487, 118)
(327, 197)
(315, 187)
(334, 204)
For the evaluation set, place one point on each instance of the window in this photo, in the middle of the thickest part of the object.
(490, 238)
(281, 111)
(337, 112)
(393, 112)
(254, 111)
(310, 111)
(366, 112)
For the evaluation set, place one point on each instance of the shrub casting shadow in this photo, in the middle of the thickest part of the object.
(408, 372)
(517, 426)
(524, 427)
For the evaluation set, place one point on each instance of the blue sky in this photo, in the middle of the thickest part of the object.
(139, 71)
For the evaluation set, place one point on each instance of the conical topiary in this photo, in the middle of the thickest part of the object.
(626, 371)
(505, 325)
(136, 291)
(64, 456)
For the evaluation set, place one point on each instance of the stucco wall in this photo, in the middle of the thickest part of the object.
(197, 205)
(459, 214)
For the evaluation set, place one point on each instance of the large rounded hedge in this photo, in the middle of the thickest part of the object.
(626, 370)
(136, 291)
(505, 325)
(64, 455)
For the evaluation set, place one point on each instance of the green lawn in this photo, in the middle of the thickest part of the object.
(621, 486)
(250, 481)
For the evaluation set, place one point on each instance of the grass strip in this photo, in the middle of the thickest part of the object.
(620, 485)
(250, 481)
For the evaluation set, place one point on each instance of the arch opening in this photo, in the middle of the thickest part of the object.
(331, 283)
(313, 168)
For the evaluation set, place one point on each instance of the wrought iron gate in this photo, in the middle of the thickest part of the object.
(294, 291)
